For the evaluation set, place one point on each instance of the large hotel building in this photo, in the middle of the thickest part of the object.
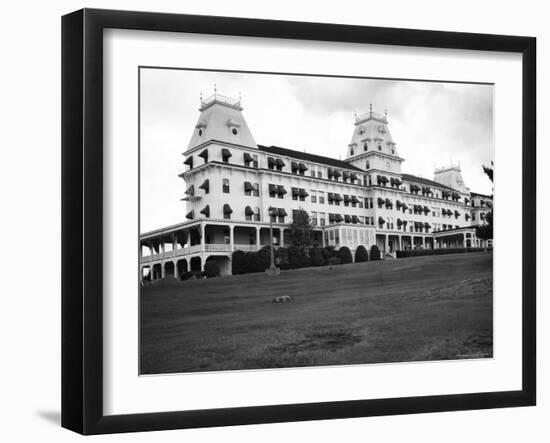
(230, 183)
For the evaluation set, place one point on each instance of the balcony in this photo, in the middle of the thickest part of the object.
(209, 248)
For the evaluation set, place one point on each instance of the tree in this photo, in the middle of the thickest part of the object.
(485, 231)
(301, 230)
(361, 254)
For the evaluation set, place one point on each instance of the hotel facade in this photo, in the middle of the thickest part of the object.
(230, 184)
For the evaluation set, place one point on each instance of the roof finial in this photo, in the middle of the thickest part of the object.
(240, 96)
(370, 107)
(201, 96)
(215, 88)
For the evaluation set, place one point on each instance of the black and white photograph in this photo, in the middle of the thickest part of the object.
(300, 220)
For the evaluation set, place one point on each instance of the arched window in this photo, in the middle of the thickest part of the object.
(368, 164)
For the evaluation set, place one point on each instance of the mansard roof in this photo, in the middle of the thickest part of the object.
(477, 194)
(424, 181)
(300, 155)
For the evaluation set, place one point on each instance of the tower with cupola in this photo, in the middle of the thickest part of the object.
(372, 146)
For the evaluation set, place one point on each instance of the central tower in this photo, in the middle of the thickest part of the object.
(372, 146)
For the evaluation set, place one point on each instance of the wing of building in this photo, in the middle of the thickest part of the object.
(231, 185)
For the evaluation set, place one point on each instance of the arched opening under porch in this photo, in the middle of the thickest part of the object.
(169, 269)
(157, 272)
(182, 267)
(195, 264)
(224, 263)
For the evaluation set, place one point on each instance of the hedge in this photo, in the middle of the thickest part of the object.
(334, 261)
(440, 251)
(361, 254)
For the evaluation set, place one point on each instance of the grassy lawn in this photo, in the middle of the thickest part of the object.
(421, 308)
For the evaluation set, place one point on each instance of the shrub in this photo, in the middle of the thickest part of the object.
(332, 261)
(361, 254)
(345, 255)
(329, 251)
(240, 262)
(259, 261)
(187, 275)
(374, 253)
(211, 269)
(316, 257)
(281, 257)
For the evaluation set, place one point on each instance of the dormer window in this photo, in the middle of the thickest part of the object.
(379, 147)
(234, 131)
(365, 147)
(200, 132)
(351, 152)
(368, 165)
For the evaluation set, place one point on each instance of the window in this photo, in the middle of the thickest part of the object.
(313, 196)
(255, 161)
(312, 171)
(388, 165)
(365, 147)
(256, 214)
(322, 219)
(225, 186)
(351, 152)
(319, 174)
(314, 218)
(368, 165)
(321, 197)
(234, 131)
(379, 147)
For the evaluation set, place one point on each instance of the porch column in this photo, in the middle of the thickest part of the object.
(323, 239)
(257, 238)
(174, 243)
(175, 269)
(400, 243)
(203, 239)
(231, 237)
(162, 248)
(162, 272)
(282, 239)
(423, 242)
(386, 243)
(464, 239)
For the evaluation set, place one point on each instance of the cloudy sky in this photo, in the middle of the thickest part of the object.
(433, 124)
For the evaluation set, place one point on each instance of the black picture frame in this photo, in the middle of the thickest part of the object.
(82, 218)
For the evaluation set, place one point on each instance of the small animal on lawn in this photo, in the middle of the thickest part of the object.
(282, 299)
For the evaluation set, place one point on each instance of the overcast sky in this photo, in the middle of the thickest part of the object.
(433, 124)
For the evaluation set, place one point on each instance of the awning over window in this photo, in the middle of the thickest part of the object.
(273, 189)
(205, 185)
(381, 220)
(204, 154)
(457, 214)
(405, 206)
(347, 198)
(330, 197)
(381, 201)
(337, 173)
(190, 215)
(398, 182)
(206, 211)
(248, 211)
(427, 226)
(338, 218)
(226, 153)
(294, 166)
(345, 174)
(281, 189)
(397, 204)
(338, 197)
(355, 219)
(303, 193)
(189, 161)
(331, 218)
(280, 162)
(302, 167)
(270, 161)
(247, 157)
(445, 194)
(467, 217)
(399, 222)
(354, 176)
(295, 192)
(330, 172)
(427, 210)
(249, 188)
(388, 202)
(347, 218)
(282, 212)
(414, 188)
(354, 199)
(190, 190)
(227, 209)
(489, 204)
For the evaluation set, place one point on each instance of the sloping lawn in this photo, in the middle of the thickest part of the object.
(421, 308)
